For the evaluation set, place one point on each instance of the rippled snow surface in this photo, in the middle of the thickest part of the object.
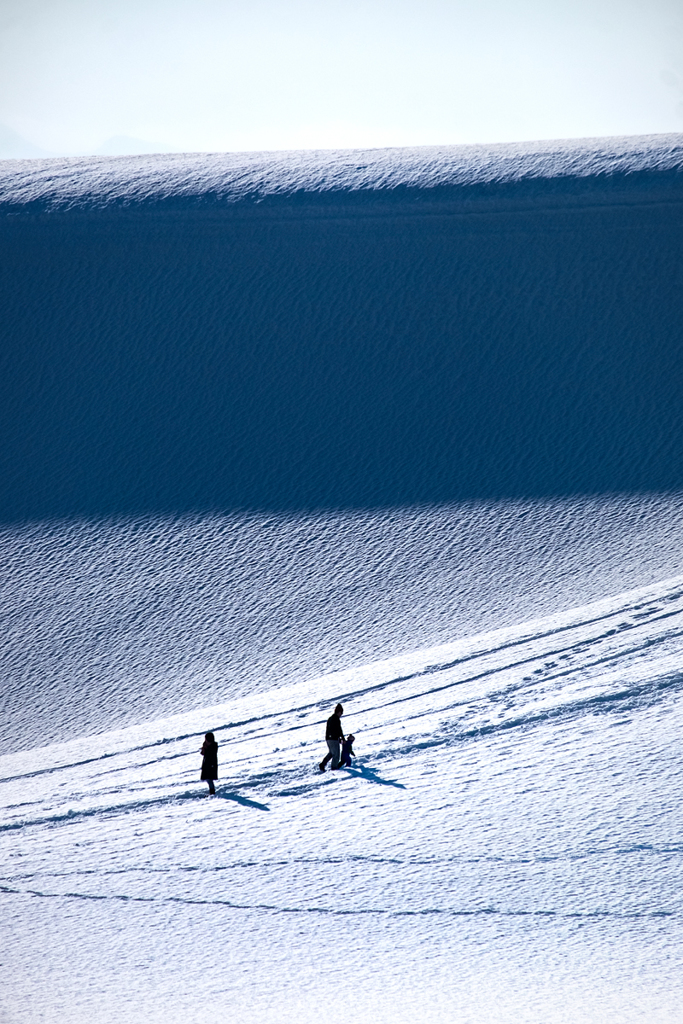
(97, 182)
(400, 428)
(112, 623)
(506, 846)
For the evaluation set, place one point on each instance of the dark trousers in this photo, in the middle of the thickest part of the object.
(334, 747)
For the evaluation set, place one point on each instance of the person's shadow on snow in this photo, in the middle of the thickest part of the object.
(363, 772)
(222, 794)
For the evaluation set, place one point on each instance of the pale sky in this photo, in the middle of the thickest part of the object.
(87, 76)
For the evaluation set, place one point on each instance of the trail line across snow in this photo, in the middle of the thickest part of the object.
(523, 780)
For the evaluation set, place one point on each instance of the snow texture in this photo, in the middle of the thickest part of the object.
(399, 428)
(106, 623)
(297, 332)
(96, 182)
(506, 846)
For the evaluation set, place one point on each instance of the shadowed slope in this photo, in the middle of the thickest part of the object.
(187, 333)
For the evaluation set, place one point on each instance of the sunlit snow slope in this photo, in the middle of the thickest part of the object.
(395, 427)
(267, 416)
(506, 846)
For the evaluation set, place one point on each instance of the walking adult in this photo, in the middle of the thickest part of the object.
(209, 754)
(335, 737)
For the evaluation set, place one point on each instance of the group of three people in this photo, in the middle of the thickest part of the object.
(340, 750)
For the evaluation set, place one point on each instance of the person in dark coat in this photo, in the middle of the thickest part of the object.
(335, 737)
(209, 752)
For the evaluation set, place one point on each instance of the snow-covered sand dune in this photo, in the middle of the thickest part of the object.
(112, 623)
(288, 332)
(650, 163)
(505, 848)
(382, 426)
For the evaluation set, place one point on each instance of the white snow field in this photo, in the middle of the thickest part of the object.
(113, 623)
(506, 847)
(400, 428)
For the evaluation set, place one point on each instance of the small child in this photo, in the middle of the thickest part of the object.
(347, 751)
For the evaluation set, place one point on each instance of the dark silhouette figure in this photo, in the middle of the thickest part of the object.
(347, 751)
(335, 737)
(209, 752)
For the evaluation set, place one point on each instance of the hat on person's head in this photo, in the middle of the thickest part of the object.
(339, 710)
